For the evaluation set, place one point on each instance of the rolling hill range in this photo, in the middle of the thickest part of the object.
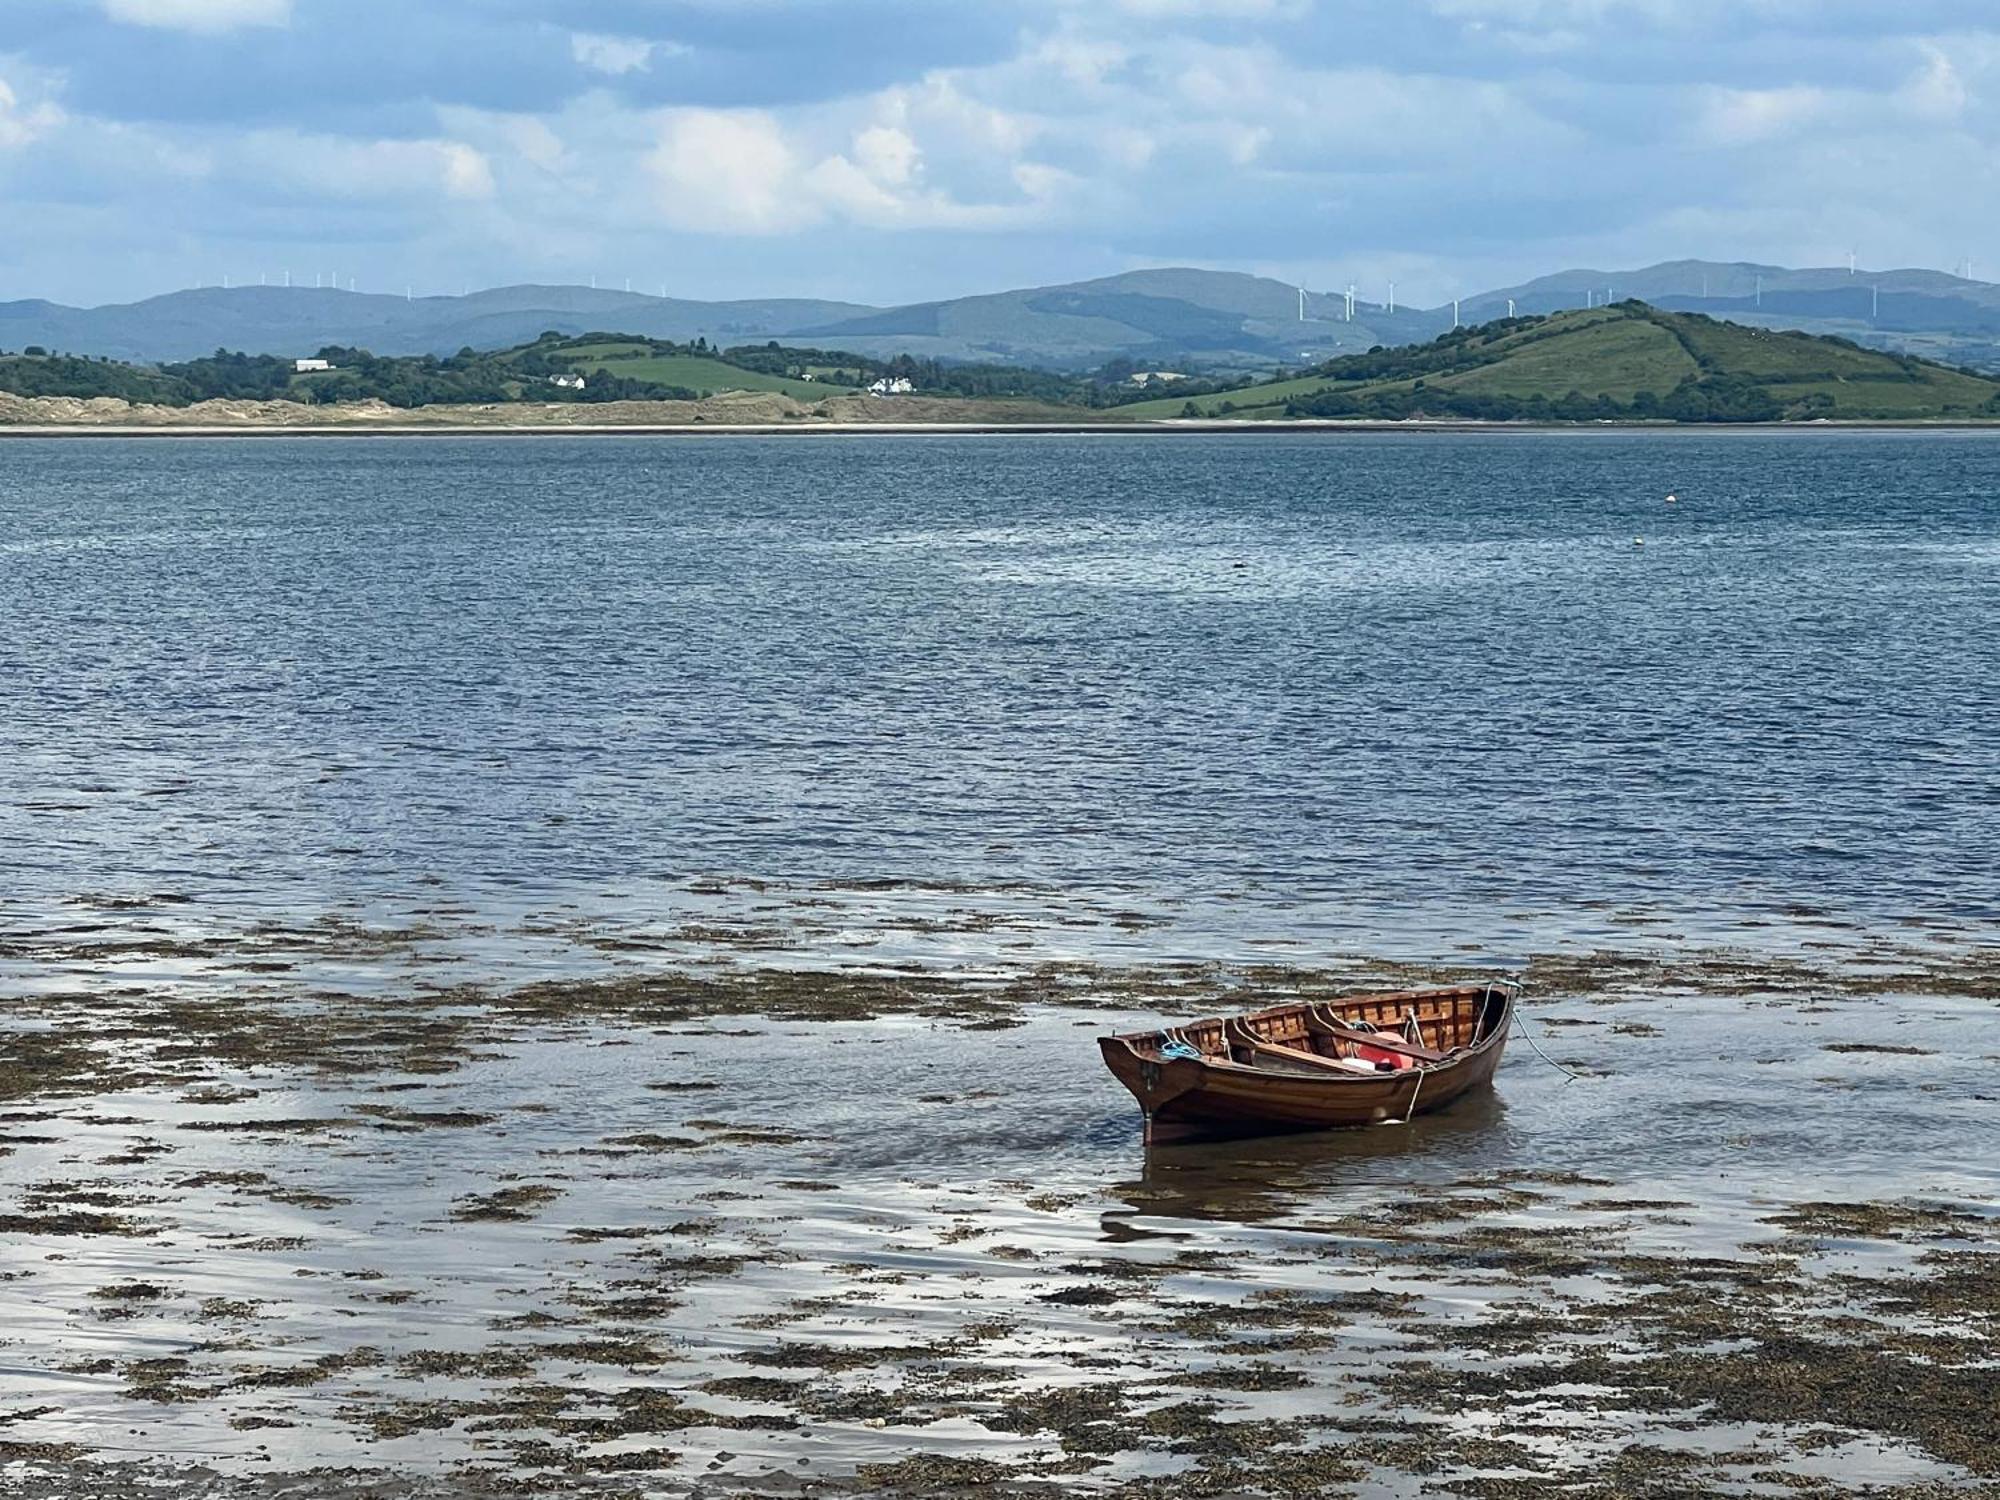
(1630, 361)
(1173, 318)
(1205, 319)
(1220, 318)
(301, 320)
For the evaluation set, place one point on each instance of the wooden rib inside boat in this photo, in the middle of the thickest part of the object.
(1357, 1060)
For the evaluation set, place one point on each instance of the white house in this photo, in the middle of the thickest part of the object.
(567, 382)
(887, 387)
(308, 366)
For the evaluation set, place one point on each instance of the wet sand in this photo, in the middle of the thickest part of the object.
(320, 1209)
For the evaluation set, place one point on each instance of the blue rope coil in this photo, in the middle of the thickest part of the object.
(1173, 1051)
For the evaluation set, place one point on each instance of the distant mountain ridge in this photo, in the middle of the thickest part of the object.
(1227, 319)
(1170, 317)
(300, 320)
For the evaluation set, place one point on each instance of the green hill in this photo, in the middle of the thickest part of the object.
(1628, 361)
(697, 372)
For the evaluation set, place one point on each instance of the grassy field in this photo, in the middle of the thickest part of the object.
(638, 362)
(1627, 351)
(1248, 402)
(1540, 370)
(1626, 356)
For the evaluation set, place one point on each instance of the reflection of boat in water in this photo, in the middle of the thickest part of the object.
(1303, 1176)
(1360, 1060)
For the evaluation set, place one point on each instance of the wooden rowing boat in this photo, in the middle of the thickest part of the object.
(1359, 1060)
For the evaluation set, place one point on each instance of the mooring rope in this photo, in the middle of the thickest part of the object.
(1521, 1029)
(1410, 1113)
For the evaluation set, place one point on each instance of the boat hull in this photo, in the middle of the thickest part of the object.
(1216, 1096)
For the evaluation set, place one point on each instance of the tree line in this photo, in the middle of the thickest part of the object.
(467, 377)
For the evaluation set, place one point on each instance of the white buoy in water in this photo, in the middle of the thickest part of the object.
(1638, 541)
(1672, 498)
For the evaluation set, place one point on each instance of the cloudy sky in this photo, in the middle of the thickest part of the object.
(889, 150)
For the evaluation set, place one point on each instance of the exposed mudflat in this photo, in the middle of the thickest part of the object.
(731, 1226)
(764, 409)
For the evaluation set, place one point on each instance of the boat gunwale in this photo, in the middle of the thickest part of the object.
(1144, 1045)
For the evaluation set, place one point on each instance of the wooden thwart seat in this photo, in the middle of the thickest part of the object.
(1296, 1056)
(1388, 1041)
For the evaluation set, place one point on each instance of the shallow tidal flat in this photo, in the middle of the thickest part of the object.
(304, 1210)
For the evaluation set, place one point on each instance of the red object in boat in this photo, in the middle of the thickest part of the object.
(1378, 1057)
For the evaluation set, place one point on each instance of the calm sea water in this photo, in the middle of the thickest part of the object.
(1356, 686)
(514, 707)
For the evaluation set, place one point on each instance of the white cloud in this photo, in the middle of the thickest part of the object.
(1937, 89)
(1743, 117)
(337, 167)
(21, 125)
(530, 140)
(535, 143)
(200, 15)
(1238, 10)
(1563, 13)
(948, 107)
(886, 154)
(619, 55)
(1935, 93)
(465, 172)
(838, 185)
(728, 170)
(1081, 60)
(748, 172)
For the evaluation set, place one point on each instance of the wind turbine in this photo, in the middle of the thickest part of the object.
(1350, 302)
(1392, 296)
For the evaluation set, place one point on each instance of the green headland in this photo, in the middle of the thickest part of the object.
(1629, 362)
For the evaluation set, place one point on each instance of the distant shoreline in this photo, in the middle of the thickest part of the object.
(1203, 427)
